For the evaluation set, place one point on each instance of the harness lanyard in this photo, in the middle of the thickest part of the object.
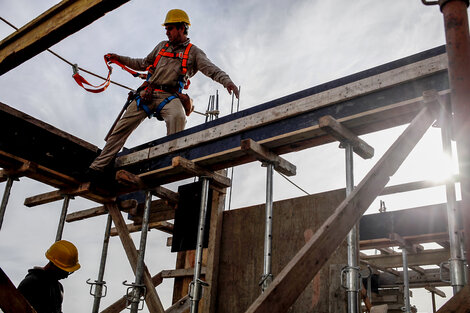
(100, 88)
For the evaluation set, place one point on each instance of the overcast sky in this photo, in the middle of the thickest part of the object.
(270, 48)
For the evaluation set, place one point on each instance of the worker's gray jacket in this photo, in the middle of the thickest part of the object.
(169, 69)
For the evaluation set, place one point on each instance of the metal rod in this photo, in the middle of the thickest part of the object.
(458, 52)
(457, 276)
(6, 196)
(63, 214)
(139, 272)
(104, 255)
(433, 302)
(353, 269)
(406, 281)
(195, 293)
(268, 230)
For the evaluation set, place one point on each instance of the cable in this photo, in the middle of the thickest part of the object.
(290, 181)
(68, 62)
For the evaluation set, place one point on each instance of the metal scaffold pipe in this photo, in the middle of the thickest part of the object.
(63, 214)
(458, 52)
(195, 292)
(6, 196)
(139, 272)
(268, 231)
(352, 240)
(456, 261)
(406, 281)
(100, 283)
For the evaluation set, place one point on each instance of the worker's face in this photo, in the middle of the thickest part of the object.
(174, 34)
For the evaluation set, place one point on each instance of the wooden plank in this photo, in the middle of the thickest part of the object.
(424, 220)
(121, 304)
(321, 97)
(11, 300)
(426, 257)
(436, 291)
(153, 301)
(265, 155)
(460, 303)
(386, 242)
(163, 226)
(60, 21)
(25, 169)
(432, 277)
(166, 194)
(415, 186)
(56, 195)
(182, 272)
(160, 211)
(125, 205)
(196, 170)
(346, 136)
(130, 180)
(293, 279)
(213, 251)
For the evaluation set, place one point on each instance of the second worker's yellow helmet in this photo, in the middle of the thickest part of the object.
(176, 16)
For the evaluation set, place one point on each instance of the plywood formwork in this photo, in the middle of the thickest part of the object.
(294, 222)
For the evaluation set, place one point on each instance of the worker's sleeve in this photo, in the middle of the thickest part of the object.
(205, 66)
(140, 64)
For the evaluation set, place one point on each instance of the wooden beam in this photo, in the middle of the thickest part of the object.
(125, 205)
(182, 272)
(346, 136)
(11, 300)
(56, 195)
(436, 291)
(49, 28)
(163, 226)
(121, 304)
(130, 180)
(25, 169)
(306, 103)
(460, 303)
(265, 155)
(293, 279)
(196, 170)
(400, 241)
(426, 257)
(153, 301)
(213, 251)
(416, 186)
(166, 194)
(386, 242)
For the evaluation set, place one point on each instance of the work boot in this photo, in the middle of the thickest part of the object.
(94, 176)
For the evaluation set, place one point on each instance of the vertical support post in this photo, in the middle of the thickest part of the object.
(353, 269)
(458, 52)
(195, 292)
(433, 302)
(6, 196)
(104, 255)
(406, 281)
(457, 274)
(63, 214)
(267, 277)
(139, 272)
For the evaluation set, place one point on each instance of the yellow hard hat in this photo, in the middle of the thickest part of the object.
(176, 16)
(64, 255)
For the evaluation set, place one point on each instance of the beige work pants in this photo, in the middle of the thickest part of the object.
(173, 114)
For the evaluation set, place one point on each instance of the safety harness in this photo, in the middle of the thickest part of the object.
(183, 56)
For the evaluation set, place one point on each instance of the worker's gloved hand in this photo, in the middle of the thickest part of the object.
(232, 88)
(111, 56)
(146, 95)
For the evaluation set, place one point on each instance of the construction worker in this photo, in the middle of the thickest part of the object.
(41, 286)
(170, 65)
